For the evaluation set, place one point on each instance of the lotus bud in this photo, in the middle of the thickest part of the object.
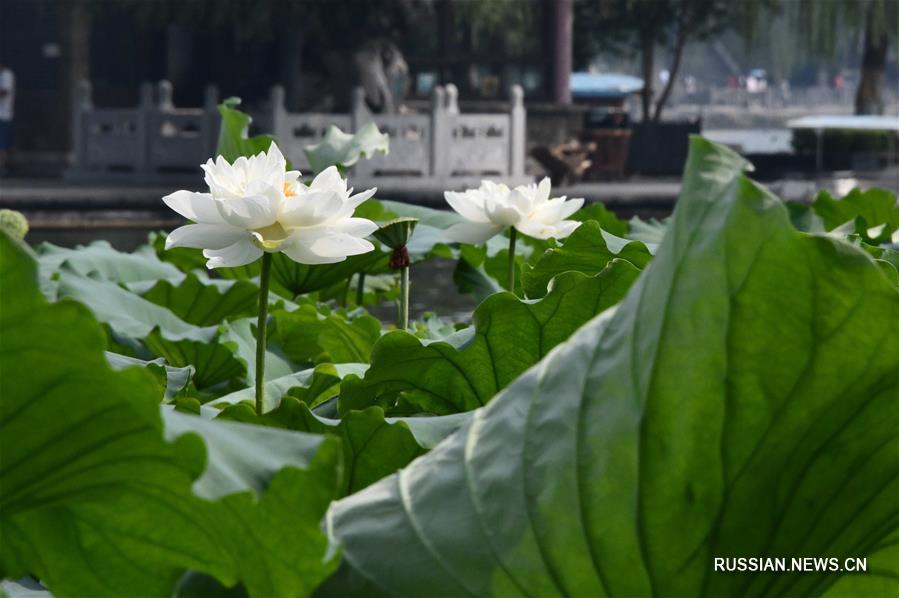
(13, 223)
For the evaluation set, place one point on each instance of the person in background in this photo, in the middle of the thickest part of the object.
(7, 97)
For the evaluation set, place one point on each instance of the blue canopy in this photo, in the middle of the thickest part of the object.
(604, 85)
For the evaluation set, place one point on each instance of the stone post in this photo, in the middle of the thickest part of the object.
(82, 104)
(360, 115)
(517, 132)
(142, 133)
(452, 99)
(164, 93)
(211, 119)
(441, 135)
(278, 113)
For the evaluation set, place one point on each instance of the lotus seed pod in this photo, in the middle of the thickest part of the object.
(13, 223)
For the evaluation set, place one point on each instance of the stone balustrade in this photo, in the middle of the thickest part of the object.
(438, 149)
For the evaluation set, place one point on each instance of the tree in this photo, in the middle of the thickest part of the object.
(625, 26)
(878, 22)
(350, 42)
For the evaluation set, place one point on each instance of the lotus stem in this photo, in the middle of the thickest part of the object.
(344, 297)
(403, 319)
(511, 279)
(360, 289)
(261, 326)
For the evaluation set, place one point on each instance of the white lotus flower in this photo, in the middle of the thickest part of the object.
(528, 208)
(254, 206)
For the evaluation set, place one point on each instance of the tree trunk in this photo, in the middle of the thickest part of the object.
(679, 44)
(75, 38)
(562, 48)
(869, 97)
(647, 58)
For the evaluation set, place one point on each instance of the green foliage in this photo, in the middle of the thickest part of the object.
(873, 213)
(345, 149)
(372, 447)
(587, 250)
(742, 400)
(203, 303)
(308, 335)
(470, 367)
(234, 141)
(731, 392)
(396, 233)
(172, 379)
(99, 260)
(312, 386)
(603, 216)
(96, 503)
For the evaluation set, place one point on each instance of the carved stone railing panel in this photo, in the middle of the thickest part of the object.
(440, 148)
(112, 139)
(178, 139)
(410, 142)
(479, 145)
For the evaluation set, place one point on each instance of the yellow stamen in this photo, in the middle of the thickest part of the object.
(288, 190)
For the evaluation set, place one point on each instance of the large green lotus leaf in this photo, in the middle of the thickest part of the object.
(291, 278)
(651, 232)
(587, 250)
(474, 280)
(306, 335)
(743, 400)
(164, 334)
(202, 303)
(240, 336)
(100, 260)
(372, 447)
(509, 336)
(215, 361)
(300, 279)
(186, 259)
(127, 313)
(96, 503)
(441, 219)
(874, 211)
(234, 140)
(345, 149)
(607, 219)
(311, 386)
(279, 545)
(172, 379)
(240, 457)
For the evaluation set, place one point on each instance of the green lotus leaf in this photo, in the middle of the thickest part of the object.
(743, 400)
(587, 250)
(509, 335)
(396, 233)
(96, 502)
(345, 149)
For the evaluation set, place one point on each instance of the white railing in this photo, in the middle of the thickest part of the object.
(440, 148)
